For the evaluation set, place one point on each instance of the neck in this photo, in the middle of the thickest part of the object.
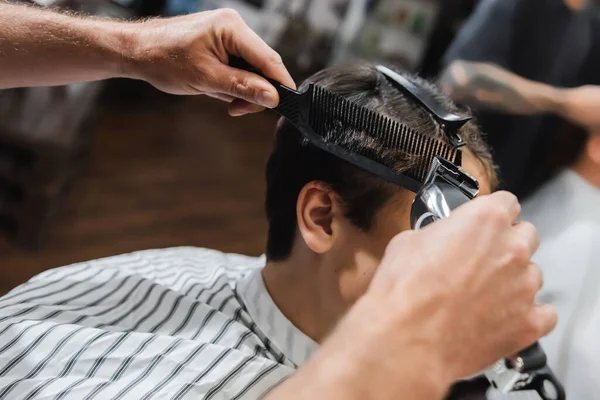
(588, 170)
(304, 294)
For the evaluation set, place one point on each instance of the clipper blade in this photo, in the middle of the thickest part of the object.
(501, 377)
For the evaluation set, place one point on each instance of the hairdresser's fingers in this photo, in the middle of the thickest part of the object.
(243, 42)
(240, 107)
(222, 97)
(536, 276)
(506, 204)
(543, 319)
(529, 233)
(244, 85)
(501, 208)
(532, 281)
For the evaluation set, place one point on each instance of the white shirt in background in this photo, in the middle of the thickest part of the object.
(566, 212)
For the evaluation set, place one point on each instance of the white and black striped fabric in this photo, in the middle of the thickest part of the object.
(181, 323)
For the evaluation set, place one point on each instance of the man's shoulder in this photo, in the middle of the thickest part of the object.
(162, 265)
(200, 257)
(193, 277)
(186, 277)
(148, 323)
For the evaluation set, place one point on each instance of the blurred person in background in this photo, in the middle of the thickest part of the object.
(524, 66)
(566, 211)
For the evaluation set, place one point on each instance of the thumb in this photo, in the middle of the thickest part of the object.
(244, 85)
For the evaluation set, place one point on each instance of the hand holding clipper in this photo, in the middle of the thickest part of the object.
(447, 186)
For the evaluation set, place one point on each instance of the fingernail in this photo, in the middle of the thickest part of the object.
(267, 99)
(236, 113)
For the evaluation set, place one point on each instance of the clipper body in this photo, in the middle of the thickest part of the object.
(446, 187)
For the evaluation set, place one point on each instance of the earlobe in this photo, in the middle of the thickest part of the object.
(315, 213)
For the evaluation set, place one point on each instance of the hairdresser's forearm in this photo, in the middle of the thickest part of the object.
(487, 86)
(360, 361)
(39, 47)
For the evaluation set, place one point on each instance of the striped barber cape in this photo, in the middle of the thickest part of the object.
(181, 323)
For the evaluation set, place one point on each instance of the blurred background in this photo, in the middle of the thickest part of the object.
(103, 168)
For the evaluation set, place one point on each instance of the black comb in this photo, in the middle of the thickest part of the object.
(323, 118)
(449, 122)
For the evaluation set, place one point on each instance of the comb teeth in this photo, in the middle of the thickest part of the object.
(331, 116)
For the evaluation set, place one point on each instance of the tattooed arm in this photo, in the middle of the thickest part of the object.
(489, 87)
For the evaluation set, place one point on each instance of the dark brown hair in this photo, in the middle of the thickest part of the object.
(294, 162)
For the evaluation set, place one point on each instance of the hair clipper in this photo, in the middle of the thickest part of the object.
(446, 187)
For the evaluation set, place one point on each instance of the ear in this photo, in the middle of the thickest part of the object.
(593, 148)
(316, 212)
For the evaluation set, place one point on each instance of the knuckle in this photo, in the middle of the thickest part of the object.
(529, 228)
(527, 225)
(537, 329)
(530, 331)
(516, 202)
(505, 201)
(229, 14)
(239, 87)
(531, 334)
(551, 320)
(508, 197)
(519, 252)
(399, 240)
(533, 324)
(396, 241)
(275, 59)
(539, 325)
(532, 281)
(534, 235)
(495, 214)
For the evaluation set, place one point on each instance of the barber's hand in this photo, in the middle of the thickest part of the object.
(446, 302)
(189, 55)
(581, 106)
(467, 285)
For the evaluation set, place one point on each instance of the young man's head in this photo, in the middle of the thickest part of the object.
(330, 218)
